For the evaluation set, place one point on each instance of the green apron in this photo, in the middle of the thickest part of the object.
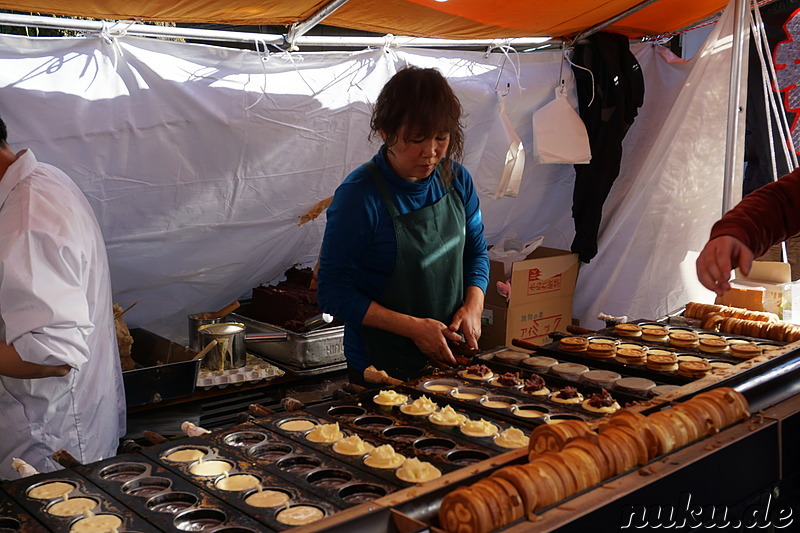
(428, 278)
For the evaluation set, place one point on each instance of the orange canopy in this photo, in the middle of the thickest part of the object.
(452, 19)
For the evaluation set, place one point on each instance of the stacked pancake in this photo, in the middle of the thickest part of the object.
(745, 350)
(569, 457)
(573, 344)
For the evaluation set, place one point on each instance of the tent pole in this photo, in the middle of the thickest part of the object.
(301, 28)
(146, 30)
(732, 179)
(606, 23)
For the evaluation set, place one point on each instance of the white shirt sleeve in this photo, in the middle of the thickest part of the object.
(43, 304)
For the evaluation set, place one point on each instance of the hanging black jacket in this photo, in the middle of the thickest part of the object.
(618, 94)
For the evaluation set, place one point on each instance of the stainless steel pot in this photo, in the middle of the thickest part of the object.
(231, 349)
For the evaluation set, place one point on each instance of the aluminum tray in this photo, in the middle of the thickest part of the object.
(317, 348)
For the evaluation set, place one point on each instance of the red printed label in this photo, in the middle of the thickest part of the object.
(542, 286)
(535, 326)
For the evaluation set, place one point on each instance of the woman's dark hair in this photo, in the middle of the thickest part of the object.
(3, 133)
(421, 100)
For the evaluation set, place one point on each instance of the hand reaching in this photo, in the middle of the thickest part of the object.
(718, 258)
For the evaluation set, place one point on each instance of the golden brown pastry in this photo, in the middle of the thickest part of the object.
(573, 344)
(628, 330)
(124, 339)
(553, 437)
(569, 458)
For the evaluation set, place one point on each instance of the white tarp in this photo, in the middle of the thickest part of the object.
(669, 192)
(199, 160)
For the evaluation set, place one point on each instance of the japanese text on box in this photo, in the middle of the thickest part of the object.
(536, 285)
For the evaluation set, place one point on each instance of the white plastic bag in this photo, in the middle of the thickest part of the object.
(559, 134)
(511, 249)
(503, 156)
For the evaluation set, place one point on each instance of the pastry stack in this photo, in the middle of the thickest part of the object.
(567, 458)
(776, 331)
(701, 311)
(738, 321)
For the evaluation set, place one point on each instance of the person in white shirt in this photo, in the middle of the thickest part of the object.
(60, 377)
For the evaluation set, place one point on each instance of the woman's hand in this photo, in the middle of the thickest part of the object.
(431, 338)
(428, 334)
(468, 317)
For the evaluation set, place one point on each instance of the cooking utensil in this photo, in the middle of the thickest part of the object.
(125, 310)
(316, 322)
(228, 309)
(196, 320)
(195, 323)
(231, 350)
(205, 350)
(519, 343)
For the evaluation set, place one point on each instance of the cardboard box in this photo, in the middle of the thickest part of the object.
(540, 300)
(765, 283)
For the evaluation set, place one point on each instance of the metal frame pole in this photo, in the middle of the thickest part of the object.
(734, 152)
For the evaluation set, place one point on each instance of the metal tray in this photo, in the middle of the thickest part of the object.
(302, 350)
(164, 370)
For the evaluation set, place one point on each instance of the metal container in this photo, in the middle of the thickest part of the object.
(195, 339)
(164, 369)
(320, 347)
(230, 351)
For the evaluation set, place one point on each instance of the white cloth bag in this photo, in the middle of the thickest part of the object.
(559, 134)
(503, 156)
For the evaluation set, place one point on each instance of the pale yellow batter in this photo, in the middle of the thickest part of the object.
(352, 445)
(210, 468)
(267, 498)
(416, 471)
(75, 506)
(299, 515)
(447, 416)
(529, 413)
(297, 425)
(102, 523)
(55, 489)
(439, 388)
(422, 406)
(466, 395)
(512, 438)
(384, 457)
(389, 398)
(479, 428)
(496, 404)
(238, 482)
(188, 455)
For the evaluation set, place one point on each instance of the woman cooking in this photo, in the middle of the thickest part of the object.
(403, 260)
